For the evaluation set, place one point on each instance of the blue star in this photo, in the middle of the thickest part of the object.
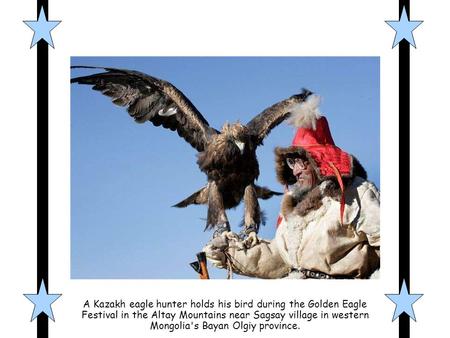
(403, 302)
(403, 29)
(42, 28)
(42, 302)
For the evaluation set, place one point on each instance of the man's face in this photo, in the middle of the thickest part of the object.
(303, 172)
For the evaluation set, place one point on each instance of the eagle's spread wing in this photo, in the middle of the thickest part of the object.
(261, 125)
(152, 99)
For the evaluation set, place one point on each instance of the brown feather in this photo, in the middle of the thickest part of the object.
(198, 197)
(262, 124)
(252, 212)
(148, 98)
(265, 193)
(216, 210)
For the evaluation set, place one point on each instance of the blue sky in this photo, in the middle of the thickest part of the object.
(125, 176)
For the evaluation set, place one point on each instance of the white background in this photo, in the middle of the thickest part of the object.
(294, 28)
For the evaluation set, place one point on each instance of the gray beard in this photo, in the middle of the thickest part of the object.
(299, 191)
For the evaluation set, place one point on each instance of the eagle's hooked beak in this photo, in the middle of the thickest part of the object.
(240, 145)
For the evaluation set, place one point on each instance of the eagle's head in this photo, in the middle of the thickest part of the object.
(236, 134)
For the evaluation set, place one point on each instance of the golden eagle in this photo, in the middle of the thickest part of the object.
(227, 157)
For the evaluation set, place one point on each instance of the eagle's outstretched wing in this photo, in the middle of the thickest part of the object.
(261, 125)
(152, 99)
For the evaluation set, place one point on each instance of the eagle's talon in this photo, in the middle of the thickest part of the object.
(251, 240)
(221, 229)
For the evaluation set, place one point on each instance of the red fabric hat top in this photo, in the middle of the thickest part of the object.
(320, 145)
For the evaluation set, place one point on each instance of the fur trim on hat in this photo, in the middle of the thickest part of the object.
(305, 114)
(284, 173)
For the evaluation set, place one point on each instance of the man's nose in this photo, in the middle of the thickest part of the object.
(299, 166)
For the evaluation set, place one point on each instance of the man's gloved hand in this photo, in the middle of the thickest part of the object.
(226, 242)
(251, 240)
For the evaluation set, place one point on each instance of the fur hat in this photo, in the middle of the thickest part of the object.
(314, 142)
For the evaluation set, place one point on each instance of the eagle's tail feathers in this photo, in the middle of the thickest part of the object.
(198, 197)
(265, 193)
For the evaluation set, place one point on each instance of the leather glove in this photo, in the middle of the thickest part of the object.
(226, 242)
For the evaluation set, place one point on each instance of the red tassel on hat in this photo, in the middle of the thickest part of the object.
(341, 185)
(314, 136)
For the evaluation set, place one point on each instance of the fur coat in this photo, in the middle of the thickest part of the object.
(311, 236)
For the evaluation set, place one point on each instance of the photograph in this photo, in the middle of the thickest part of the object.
(268, 166)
